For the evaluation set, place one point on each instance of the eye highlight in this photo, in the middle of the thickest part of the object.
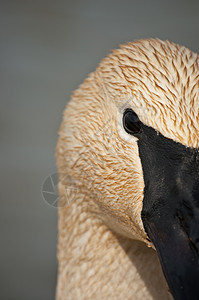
(131, 122)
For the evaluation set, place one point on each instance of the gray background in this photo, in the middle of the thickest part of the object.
(47, 49)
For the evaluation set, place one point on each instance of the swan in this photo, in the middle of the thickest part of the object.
(128, 162)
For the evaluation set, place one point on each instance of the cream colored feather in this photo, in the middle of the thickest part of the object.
(103, 250)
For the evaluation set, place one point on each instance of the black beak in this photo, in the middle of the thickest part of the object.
(171, 209)
(176, 239)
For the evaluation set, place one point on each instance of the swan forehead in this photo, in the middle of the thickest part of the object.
(160, 82)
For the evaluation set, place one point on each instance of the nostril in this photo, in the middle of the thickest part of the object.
(181, 221)
(184, 216)
(188, 219)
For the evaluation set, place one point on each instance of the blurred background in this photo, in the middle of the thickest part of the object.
(47, 49)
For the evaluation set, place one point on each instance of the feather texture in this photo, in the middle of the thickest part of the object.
(101, 252)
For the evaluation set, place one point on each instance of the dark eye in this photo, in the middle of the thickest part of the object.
(131, 122)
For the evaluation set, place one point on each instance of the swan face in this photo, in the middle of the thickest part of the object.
(127, 174)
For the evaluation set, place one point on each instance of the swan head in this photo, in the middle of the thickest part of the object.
(129, 141)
